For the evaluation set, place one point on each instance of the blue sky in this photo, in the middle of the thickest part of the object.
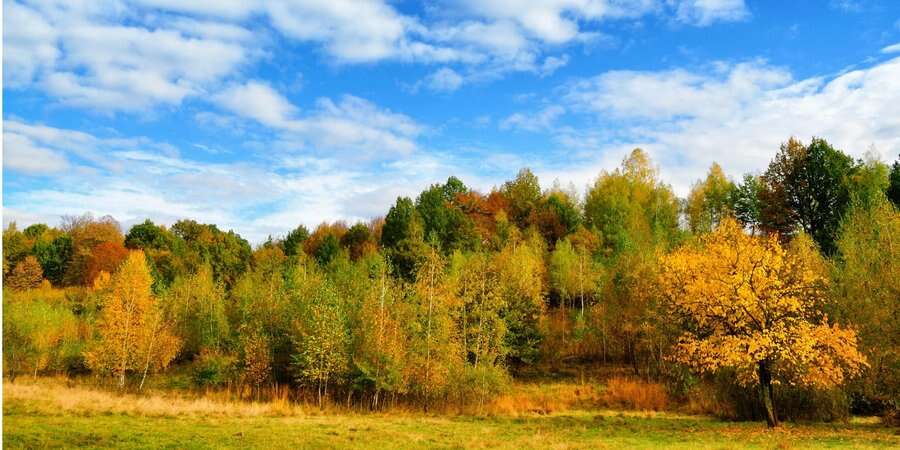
(258, 116)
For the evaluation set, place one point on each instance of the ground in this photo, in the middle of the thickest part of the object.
(44, 415)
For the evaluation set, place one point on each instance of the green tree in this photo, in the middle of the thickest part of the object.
(708, 202)
(322, 341)
(745, 202)
(54, 256)
(630, 207)
(893, 190)
(807, 188)
(523, 194)
(866, 292)
(195, 305)
(294, 240)
(444, 224)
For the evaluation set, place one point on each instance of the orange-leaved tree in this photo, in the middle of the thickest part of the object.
(134, 337)
(750, 304)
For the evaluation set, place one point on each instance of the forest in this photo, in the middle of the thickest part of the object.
(776, 296)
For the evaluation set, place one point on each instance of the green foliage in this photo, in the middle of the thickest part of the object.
(631, 208)
(745, 202)
(523, 194)
(54, 256)
(444, 224)
(195, 305)
(866, 293)
(321, 340)
(328, 250)
(227, 253)
(893, 190)
(294, 240)
(148, 235)
(39, 333)
(807, 188)
(708, 202)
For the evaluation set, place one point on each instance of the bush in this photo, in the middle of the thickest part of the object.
(213, 370)
(477, 384)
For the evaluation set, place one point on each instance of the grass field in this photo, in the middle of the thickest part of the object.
(52, 415)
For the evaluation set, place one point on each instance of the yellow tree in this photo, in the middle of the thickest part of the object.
(133, 336)
(749, 304)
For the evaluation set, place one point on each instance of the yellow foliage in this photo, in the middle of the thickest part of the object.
(133, 335)
(749, 302)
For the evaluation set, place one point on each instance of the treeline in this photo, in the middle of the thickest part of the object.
(450, 293)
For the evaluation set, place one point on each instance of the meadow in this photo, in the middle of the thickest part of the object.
(54, 413)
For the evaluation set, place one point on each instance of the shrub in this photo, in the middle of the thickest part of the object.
(213, 370)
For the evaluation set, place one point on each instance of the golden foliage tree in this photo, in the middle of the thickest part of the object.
(133, 336)
(754, 306)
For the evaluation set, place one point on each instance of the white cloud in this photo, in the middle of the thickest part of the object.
(738, 114)
(21, 154)
(444, 80)
(258, 101)
(895, 48)
(83, 54)
(133, 55)
(542, 120)
(706, 12)
(351, 124)
(266, 195)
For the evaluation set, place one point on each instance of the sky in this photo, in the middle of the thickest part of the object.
(261, 115)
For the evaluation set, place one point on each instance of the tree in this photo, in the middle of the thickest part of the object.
(147, 235)
(573, 273)
(358, 241)
(630, 207)
(444, 224)
(556, 216)
(380, 354)
(294, 240)
(195, 306)
(403, 238)
(708, 203)
(521, 278)
(398, 223)
(54, 256)
(104, 257)
(132, 335)
(328, 250)
(321, 341)
(26, 275)
(749, 304)
(87, 232)
(744, 201)
(16, 246)
(523, 194)
(893, 190)
(434, 340)
(807, 188)
(866, 269)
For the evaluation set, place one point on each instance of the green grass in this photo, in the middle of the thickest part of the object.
(52, 415)
(25, 427)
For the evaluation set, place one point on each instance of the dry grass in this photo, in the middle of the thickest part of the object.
(63, 397)
(627, 393)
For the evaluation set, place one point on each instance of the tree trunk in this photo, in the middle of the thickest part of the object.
(766, 394)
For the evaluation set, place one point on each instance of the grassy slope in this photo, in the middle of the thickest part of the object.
(41, 416)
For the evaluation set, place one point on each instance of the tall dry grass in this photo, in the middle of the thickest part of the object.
(61, 396)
